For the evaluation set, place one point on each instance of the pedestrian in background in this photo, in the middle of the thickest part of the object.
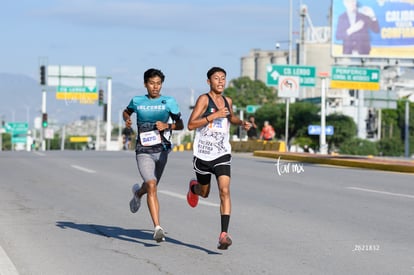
(127, 134)
(268, 132)
(252, 132)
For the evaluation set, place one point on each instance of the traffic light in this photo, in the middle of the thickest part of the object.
(101, 98)
(43, 75)
(44, 120)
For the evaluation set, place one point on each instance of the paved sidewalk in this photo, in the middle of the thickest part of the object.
(367, 162)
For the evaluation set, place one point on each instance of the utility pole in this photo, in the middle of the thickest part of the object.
(406, 128)
(290, 63)
(44, 114)
(43, 83)
(109, 111)
(322, 137)
(362, 134)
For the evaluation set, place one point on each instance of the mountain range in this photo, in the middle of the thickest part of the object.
(21, 101)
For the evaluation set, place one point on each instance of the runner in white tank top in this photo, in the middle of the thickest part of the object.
(211, 117)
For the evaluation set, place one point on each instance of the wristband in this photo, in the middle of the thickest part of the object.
(207, 120)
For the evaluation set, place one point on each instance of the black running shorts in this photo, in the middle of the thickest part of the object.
(218, 167)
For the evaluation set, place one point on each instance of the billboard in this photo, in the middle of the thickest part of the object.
(373, 28)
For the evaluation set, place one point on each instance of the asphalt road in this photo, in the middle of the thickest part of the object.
(67, 213)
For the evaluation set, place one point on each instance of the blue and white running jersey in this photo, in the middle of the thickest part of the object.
(151, 110)
(148, 111)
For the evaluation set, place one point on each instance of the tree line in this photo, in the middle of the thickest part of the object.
(245, 91)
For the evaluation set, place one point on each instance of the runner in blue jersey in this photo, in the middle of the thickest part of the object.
(156, 116)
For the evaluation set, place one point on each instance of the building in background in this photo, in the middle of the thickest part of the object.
(316, 47)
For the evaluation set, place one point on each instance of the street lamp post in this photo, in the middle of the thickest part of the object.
(109, 111)
(290, 63)
(406, 130)
(322, 138)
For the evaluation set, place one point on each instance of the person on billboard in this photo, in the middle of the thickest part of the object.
(354, 27)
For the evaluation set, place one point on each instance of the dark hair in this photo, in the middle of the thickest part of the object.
(150, 73)
(215, 70)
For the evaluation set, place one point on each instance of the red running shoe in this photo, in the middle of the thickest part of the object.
(192, 198)
(224, 241)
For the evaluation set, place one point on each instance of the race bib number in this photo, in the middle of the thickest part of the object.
(150, 138)
(219, 125)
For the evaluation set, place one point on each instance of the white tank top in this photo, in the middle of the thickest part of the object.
(213, 140)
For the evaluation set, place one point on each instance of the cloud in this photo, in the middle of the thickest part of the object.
(166, 16)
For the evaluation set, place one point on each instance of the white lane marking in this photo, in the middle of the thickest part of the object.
(6, 265)
(382, 192)
(40, 154)
(83, 169)
(172, 194)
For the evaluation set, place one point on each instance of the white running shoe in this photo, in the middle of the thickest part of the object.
(159, 234)
(135, 202)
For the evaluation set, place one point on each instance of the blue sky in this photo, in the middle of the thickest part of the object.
(123, 38)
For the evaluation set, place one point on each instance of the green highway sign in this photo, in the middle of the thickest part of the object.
(306, 74)
(80, 89)
(314, 100)
(252, 108)
(18, 131)
(16, 127)
(85, 94)
(19, 138)
(357, 78)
